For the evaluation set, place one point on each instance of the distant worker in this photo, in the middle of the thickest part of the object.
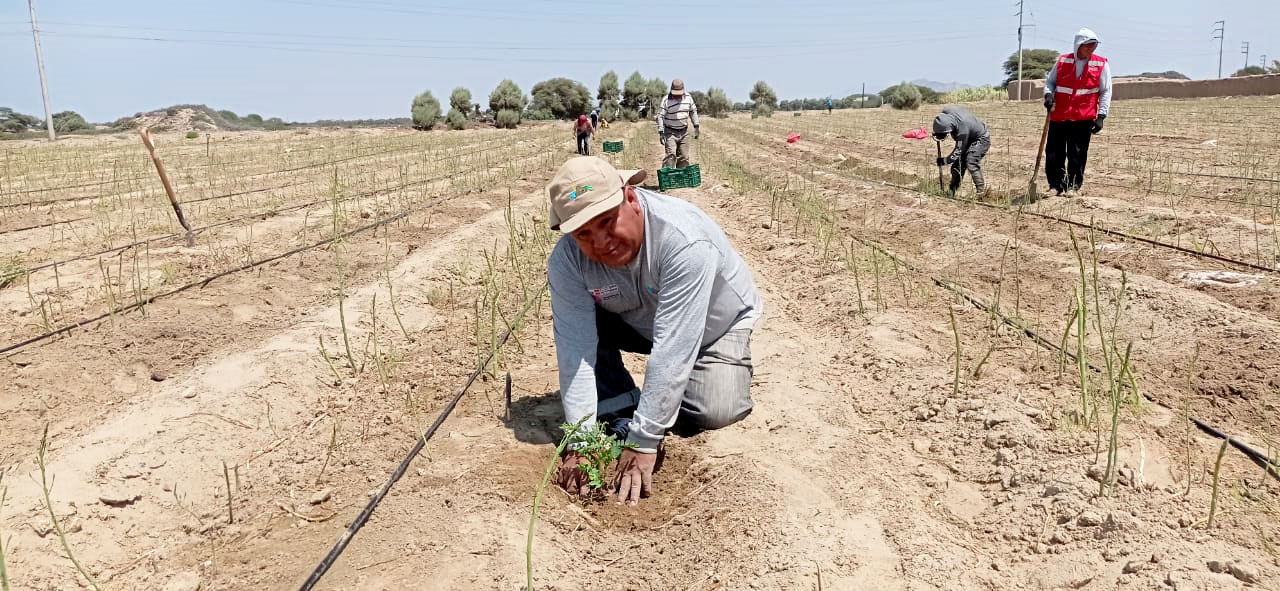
(829, 105)
(1077, 93)
(675, 114)
(584, 130)
(972, 143)
(595, 118)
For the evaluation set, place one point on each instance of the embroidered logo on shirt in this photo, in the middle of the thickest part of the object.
(605, 293)
(651, 289)
(579, 189)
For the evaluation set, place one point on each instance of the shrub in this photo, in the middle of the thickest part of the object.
(253, 119)
(274, 124)
(975, 94)
(230, 116)
(608, 93)
(13, 122)
(562, 98)
(191, 135)
(507, 119)
(538, 115)
(456, 119)
(699, 100)
(507, 97)
(718, 104)
(904, 96)
(859, 101)
(68, 121)
(633, 96)
(425, 110)
(460, 100)
(764, 98)
(1250, 71)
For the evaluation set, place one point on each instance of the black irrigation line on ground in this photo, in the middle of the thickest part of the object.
(1271, 466)
(257, 215)
(363, 517)
(1090, 226)
(198, 283)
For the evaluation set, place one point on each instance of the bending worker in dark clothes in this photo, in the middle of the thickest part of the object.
(1077, 93)
(972, 143)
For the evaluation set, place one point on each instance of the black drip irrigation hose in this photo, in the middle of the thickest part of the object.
(363, 517)
(199, 283)
(1271, 466)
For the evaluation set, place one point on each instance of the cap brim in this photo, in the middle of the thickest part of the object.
(579, 219)
(677, 92)
(630, 177)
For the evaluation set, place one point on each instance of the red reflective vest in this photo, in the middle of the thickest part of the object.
(1077, 98)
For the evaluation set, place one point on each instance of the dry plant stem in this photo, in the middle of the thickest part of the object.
(337, 377)
(4, 574)
(328, 455)
(46, 487)
(1213, 500)
(226, 474)
(537, 500)
(955, 331)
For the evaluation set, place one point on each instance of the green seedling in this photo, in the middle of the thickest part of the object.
(600, 450)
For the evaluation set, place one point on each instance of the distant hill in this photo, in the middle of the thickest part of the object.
(940, 86)
(1169, 74)
(204, 118)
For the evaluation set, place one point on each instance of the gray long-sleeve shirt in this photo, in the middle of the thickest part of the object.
(676, 114)
(686, 288)
(964, 127)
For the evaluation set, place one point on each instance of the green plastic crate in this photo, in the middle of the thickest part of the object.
(613, 146)
(678, 178)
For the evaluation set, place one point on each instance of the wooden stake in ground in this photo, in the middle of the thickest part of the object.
(1035, 172)
(940, 188)
(168, 187)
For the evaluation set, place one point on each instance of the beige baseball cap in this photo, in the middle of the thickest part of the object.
(585, 187)
(677, 87)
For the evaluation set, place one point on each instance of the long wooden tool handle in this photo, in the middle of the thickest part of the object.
(1044, 134)
(168, 187)
(939, 143)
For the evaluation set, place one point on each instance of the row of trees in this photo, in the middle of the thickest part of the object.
(564, 98)
(853, 101)
(63, 122)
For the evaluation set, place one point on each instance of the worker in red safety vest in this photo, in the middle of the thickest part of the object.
(1077, 93)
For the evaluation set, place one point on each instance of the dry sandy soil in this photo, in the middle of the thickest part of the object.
(866, 463)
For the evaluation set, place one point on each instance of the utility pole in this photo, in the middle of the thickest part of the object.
(1219, 32)
(864, 95)
(1244, 48)
(1262, 61)
(44, 86)
(1020, 49)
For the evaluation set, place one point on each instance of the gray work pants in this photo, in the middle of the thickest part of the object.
(971, 160)
(676, 143)
(719, 390)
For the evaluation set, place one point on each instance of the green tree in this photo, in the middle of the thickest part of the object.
(507, 97)
(12, 121)
(1035, 64)
(460, 100)
(1250, 71)
(608, 93)
(425, 110)
(903, 96)
(765, 99)
(562, 98)
(68, 121)
(253, 119)
(275, 124)
(456, 119)
(654, 91)
(633, 96)
(699, 100)
(718, 104)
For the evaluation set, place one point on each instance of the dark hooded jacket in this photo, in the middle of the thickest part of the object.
(962, 125)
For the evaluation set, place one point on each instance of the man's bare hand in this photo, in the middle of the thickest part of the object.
(634, 480)
(569, 477)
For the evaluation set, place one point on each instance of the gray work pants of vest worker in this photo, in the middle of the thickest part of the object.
(719, 390)
(676, 143)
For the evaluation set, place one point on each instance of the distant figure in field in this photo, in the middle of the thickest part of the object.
(972, 143)
(675, 114)
(584, 131)
(1077, 93)
(829, 105)
(595, 118)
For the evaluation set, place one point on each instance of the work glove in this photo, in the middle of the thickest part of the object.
(696, 132)
(942, 161)
(1048, 102)
(1097, 124)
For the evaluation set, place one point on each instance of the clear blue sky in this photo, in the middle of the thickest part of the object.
(310, 59)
